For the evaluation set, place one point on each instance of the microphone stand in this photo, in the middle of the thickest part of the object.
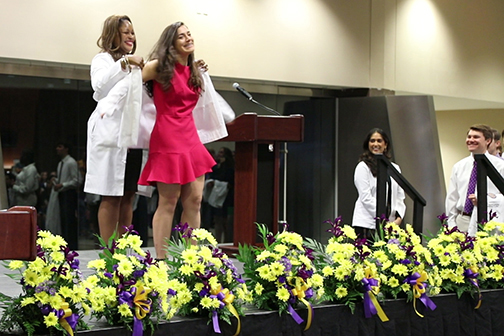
(269, 109)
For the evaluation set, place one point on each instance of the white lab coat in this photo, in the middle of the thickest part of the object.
(365, 207)
(113, 126)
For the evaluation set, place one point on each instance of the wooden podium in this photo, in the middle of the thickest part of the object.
(18, 233)
(248, 131)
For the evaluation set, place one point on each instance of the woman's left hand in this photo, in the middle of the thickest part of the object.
(202, 65)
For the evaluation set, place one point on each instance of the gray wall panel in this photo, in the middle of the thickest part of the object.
(416, 144)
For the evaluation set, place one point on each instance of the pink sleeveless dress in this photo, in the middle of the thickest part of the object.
(176, 154)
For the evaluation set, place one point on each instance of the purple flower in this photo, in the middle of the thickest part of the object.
(304, 273)
(443, 217)
(138, 273)
(405, 261)
(335, 226)
(184, 229)
(130, 229)
(271, 238)
(75, 264)
(309, 253)
(148, 260)
(286, 263)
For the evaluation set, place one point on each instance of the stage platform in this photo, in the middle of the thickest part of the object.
(453, 317)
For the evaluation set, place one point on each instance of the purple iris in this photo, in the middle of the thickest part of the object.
(309, 253)
(130, 229)
(271, 238)
(443, 217)
(184, 229)
(335, 227)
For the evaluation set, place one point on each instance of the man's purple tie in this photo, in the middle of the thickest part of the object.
(468, 207)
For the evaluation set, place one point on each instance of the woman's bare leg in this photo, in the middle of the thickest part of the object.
(191, 196)
(108, 216)
(126, 211)
(163, 217)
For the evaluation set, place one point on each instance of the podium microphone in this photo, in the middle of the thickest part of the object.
(243, 91)
(249, 97)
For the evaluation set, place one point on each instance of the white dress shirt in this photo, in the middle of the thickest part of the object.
(459, 182)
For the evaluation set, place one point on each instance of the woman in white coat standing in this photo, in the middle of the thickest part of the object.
(112, 168)
(364, 223)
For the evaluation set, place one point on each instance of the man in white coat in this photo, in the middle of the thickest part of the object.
(461, 198)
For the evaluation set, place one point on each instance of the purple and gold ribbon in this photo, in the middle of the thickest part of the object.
(299, 291)
(371, 305)
(225, 296)
(142, 308)
(69, 320)
(416, 280)
(472, 275)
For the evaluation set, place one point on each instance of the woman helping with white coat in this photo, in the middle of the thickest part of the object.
(113, 127)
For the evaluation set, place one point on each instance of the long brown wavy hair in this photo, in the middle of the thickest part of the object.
(164, 51)
(111, 33)
(368, 157)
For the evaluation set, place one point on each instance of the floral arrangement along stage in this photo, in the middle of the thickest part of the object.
(281, 275)
(349, 276)
(489, 247)
(454, 266)
(130, 288)
(54, 296)
(203, 280)
(402, 264)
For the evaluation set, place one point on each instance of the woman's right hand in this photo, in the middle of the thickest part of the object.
(136, 60)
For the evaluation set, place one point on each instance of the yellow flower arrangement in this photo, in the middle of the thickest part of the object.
(282, 275)
(488, 255)
(455, 260)
(130, 287)
(203, 280)
(54, 295)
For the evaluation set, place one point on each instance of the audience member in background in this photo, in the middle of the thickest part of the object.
(364, 223)
(43, 194)
(493, 148)
(27, 181)
(10, 179)
(496, 142)
(206, 211)
(53, 220)
(222, 172)
(66, 185)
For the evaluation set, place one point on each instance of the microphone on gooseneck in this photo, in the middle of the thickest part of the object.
(249, 97)
(242, 91)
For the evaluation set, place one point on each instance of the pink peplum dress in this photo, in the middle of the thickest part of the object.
(176, 154)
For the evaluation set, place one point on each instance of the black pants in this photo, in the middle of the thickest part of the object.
(69, 226)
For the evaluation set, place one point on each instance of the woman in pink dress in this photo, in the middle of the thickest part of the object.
(177, 160)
